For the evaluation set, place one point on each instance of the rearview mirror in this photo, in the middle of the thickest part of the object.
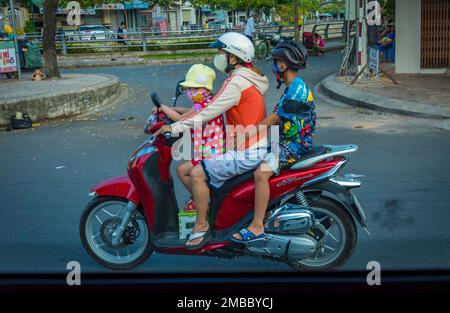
(155, 100)
(178, 91)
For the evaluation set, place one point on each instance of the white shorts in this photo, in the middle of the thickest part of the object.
(273, 160)
(231, 164)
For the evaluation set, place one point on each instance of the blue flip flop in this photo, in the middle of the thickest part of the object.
(247, 236)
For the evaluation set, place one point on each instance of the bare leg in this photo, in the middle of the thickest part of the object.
(262, 195)
(183, 171)
(200, 193)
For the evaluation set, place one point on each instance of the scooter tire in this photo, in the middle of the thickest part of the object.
(350, 233)
(124, 266)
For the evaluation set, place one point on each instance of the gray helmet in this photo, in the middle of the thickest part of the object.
(293, 54)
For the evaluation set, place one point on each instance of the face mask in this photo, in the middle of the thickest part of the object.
(221, 62)
(197, 97)
(278, 74)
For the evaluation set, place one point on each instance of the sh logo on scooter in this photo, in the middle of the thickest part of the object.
(74, 276)
(292, 180)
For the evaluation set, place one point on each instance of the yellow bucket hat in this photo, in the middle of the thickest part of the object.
(199, 76)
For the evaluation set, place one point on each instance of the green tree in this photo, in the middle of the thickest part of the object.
(285, 9)
(49, 33)
(243, 4)
(48, 39)
(336, 6)
(388, 9)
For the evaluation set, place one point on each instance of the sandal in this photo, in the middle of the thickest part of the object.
(206, 235)
(248, 236)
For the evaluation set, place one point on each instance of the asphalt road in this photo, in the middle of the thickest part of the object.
(46, 173)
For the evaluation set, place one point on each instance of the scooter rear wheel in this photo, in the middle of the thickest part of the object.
(99, 220)
(330, 217)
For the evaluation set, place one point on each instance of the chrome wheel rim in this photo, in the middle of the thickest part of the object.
(96, 231)
(331, 245)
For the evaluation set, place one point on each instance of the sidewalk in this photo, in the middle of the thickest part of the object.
(135, 58)
(46, 99)
(334, 45)
(425, 96)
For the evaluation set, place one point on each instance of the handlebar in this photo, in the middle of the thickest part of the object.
(155, 100)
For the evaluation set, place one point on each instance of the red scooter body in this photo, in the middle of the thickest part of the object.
(237, 204)
(240, 200)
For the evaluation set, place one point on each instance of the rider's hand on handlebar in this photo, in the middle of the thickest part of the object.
(164, 129)
(161, 109)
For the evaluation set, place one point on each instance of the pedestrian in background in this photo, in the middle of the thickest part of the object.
(319, 44)
(250, 30)
(121, 33)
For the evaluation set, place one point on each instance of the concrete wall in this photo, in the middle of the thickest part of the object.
(407, 36)
(64, 102)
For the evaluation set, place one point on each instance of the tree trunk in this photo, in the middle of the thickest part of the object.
(296, 20)
(48, 39)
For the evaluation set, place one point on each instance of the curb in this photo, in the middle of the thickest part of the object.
(138, 61)
(341, 92)
(127, 54)
(336, 47)
(62, 104)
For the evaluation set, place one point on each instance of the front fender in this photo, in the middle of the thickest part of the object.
(117, 187)
(342, 195)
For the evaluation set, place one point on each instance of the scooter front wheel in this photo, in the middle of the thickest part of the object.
(100, 219)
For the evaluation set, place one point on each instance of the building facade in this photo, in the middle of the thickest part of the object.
(137, 14)
(422, 36)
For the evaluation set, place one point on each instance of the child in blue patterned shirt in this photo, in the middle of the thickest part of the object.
(296, 117)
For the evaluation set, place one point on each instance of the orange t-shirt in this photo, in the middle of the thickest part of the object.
(250, 110)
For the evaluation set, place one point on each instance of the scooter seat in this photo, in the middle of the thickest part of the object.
(235, 181)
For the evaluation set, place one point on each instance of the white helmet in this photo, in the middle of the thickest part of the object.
(236, 44)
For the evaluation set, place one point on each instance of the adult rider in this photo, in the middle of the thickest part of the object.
(241, 98)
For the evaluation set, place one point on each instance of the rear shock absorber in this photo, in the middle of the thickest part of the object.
(301, 199)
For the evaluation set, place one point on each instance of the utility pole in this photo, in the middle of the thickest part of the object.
(16, 44)
(361, 56)
(296, 20)
(32, 16)
(181, 15)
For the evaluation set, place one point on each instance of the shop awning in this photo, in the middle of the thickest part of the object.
(37, 3)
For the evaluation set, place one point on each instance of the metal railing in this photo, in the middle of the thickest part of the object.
(329, 31)
(68, 41)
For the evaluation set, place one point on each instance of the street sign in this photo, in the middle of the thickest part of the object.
(136, 4)
(8, 62)
(374, 60)
(60, 11)
(110, 6)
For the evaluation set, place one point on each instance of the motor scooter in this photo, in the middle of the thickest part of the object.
(310, 222)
